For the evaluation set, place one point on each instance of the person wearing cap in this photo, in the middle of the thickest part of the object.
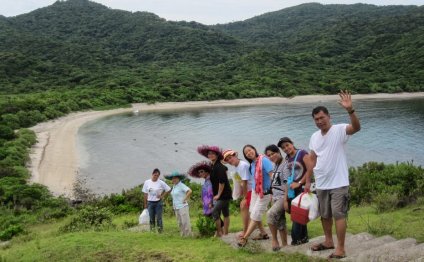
(242, 168)
(276, 214)
(261, 171)
(155, 190)
(220, 187)
(328, 159)
(180, 195)
(297, 168)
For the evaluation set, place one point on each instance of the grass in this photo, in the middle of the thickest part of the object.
(45, 243)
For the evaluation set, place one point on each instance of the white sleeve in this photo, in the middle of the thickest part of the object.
(145, 187)
(165, 186)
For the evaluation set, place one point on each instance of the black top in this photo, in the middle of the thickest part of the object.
(219, 176)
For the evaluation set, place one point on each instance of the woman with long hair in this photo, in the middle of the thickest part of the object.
(276, 218)
(261, 172)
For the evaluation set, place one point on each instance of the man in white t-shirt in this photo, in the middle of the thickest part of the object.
(328, 160)
(154, 191)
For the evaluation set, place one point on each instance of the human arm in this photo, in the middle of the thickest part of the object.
(244, 193)
(188, 194)
(286, 199)
(220, 190)
(309, 170)
(145, 199)
(346, 102)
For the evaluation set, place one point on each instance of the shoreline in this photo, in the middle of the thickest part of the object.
(54, 161)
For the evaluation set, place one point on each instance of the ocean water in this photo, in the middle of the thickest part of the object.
(120, 151)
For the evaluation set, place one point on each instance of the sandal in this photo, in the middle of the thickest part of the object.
(320, 247)
(336, 256)
(261, 237)
(242, 242)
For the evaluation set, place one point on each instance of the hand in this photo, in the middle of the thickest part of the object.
(294, 185)
(243, 203)
(345, 100)
(216, 198)
(286, 205)
(307, 187)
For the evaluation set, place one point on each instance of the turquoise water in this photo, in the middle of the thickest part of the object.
(120, 151)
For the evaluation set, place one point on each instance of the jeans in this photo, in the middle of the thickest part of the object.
(299, 234)
(155, 212)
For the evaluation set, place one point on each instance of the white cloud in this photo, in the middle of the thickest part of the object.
(203, 11)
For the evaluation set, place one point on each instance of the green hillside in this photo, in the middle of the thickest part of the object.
(310, 48)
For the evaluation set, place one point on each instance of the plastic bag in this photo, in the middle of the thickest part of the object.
(237, 188)
(144, 218)
(308, 201)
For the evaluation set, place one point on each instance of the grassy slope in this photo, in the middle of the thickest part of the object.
(45, 244)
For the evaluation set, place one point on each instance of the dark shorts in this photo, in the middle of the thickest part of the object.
(221, 206)
(333, 202)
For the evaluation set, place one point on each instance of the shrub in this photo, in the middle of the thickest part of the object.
(404, 180)
(206, 226)
(90, 218)
(10, 232)
(385, 202)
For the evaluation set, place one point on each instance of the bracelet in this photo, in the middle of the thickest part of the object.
(351, 111)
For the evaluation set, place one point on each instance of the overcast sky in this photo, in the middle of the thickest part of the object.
(202, 11)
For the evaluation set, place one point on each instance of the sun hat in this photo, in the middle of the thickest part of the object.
(175, 174)
(227, 153)
(284, 140)
(204, 149)
(194, 169)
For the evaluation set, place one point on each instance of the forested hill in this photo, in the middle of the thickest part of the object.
(310, 48)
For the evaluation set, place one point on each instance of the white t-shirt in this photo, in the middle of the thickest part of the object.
(243, 170)
(331, 168)
(154, 189)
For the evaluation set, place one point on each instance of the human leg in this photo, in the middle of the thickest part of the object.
(226, 213)
(151, 207)
(159, 211)
(185, 225)
(340, 206)
(272, 220)
(324, 200)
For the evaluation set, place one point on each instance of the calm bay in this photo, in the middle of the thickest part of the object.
(120, 151)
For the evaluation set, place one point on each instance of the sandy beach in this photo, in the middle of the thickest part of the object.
(54, 160)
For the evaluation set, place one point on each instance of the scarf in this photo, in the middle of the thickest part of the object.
(259, 189)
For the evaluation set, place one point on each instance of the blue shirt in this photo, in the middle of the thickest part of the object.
(267, 167)
(178, 193)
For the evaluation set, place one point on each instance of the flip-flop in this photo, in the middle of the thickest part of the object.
(242, 242)
(320, 247)
(336, 256)
(275, 249)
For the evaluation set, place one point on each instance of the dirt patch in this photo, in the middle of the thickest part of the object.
(153, 256)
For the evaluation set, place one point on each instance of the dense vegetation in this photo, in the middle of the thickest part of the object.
(77, 55)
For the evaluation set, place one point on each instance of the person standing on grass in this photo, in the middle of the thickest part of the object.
(297, 166)
(276, 217)
(242, 168)
(155, 191)
(180, 195)
(328, 157)
(220, 186)
(261, 172)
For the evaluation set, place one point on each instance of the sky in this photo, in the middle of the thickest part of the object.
(203, 11)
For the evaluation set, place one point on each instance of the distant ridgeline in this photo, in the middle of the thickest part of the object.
(79, 45)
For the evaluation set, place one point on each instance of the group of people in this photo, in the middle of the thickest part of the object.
(269, 182)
